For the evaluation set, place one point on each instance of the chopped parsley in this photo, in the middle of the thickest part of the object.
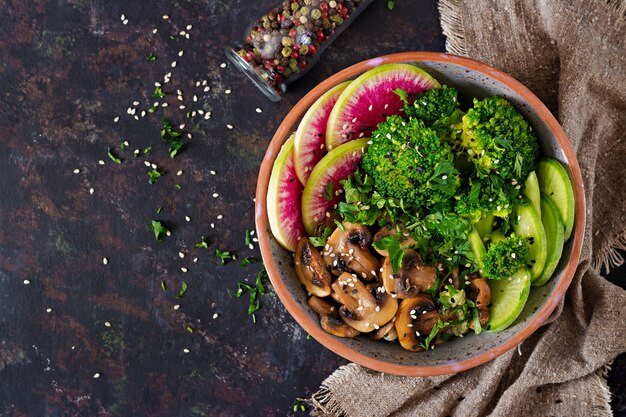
(182, 291)
(298, 405)
(254, 303)
(148, 150)
(392, 245)
(171, 137)
(248, 261)
(163, 285)
(154, 175)
(178, 186)
(158, 229)
(225, 255)
(432, 335)
(328, 194)
(151, 57)
(113, 157)
(158, 93)
(248, 238)
(202, 244)
(320, 241)
(391, 4)
(159, 210)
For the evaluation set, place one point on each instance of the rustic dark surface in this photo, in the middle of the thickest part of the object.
(67, 69)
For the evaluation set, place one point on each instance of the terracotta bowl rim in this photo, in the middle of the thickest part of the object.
(332, 343)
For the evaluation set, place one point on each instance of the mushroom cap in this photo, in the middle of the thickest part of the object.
(480, 293)
(415, 319)
(311, 269)
(323, 307)
(347, 250)
(412, 277)
(365, 308)
(390, 229)
(337, 327)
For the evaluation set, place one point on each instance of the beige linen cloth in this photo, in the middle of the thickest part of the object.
(572, 54)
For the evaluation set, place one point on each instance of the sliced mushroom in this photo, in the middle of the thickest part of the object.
(415, 319)
(387, 332)
(480, 293)
(311, 269)
(364, 308)
(406, 240)
(412, 277)
(337, 327)
(323, 307)
(346, 250)
(452, 279)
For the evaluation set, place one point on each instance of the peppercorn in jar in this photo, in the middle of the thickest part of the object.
(283, 44)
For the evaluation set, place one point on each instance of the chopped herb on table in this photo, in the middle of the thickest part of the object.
(248, 261)
(202, 244)
(113, 157)
(182, 291)
(151, 57)
(171, 137)
(159, 230)
(254, 291)
(391, 4)
(298, 405)
(158, 93)
(154, 175)
(225, 255)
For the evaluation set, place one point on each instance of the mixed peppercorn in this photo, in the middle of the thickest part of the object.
(282, 44)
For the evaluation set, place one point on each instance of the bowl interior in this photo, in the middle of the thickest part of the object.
(458, 353)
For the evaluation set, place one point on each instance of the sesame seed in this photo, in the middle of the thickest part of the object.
(96, 375)
(186, 350)
(91, 191)
(180, 53)
(177, 306)
(258, 110)
(215, 315)
(206, 89)
(195, 260)
(165, 17)
(179, 173)
(154, 166)
(168, 233)
(101, 162)
(223, 65)
(48, 310)
(105, 261)
(181, 255)
(212, 225)
(155, 30)
(251, 246)
(444, 177)
(370, 107)
(195, 98)
(212, 172)
(215, 195)
(183, 269)
(123, 17)
(182, 126)
(227, 91)
(76, 171)
(125, 22)
(26, 282)
(147, 163)
(164, 105)
(188, 218)
(182, 106)
(107, 324)
(220, 217)
(189, 27)
(116, 119)
(229, 126)
(513, 255)
(173, 64)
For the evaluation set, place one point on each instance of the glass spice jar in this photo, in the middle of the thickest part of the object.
(284, 43)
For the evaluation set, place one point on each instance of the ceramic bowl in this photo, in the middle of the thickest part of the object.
(472, 79)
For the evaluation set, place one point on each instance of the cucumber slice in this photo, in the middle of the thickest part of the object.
(531, 190)
(485, 225)
(508, 297)
(527, 223)
(555, 238)
(556, 184)
(478, 248)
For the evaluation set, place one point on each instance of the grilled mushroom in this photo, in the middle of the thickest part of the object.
(322, 307)
(387, 332)
(364, 308)
(412, 277)
(346, 250)
(406, 240)
(337, 327)
(452, 279)
(415, 319)
(311, 269)
(480, 293)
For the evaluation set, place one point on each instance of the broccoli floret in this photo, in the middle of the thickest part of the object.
(505, 257)
(484, 196)
(433, 105)
(498, 139)
(409, 162)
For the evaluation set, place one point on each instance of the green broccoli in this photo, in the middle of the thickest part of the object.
(433, 105)
(498, 139)
(505, 257)
(485, 196)
(409, 162)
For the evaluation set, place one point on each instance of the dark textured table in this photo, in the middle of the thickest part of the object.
(90, 322)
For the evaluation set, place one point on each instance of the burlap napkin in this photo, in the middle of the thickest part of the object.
(572, 54)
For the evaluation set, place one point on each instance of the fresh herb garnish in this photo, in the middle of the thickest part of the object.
(328, 194)
(112, 157)
(151, 57)
(122, 145)
(320, 241)
(298, 405)
(189, 329)
(154, 175)
(148, 150)
(178, 186)
(159, 230)
(171, 137)
(159, 210)
(202, 244)
(182, 291)
(259, 280)
(254, 291)
(391, 4)
(158, 93)
(248, 238)
(392, 245)
(225, 255)
(248, 261)
(309, 337)
(432, 334)
(163, 285)
(402, 94)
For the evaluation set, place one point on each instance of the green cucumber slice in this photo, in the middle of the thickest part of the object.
(527, 223)
(556, 184)
(531, 190)
(478, 248)
(508, 298)
(555, 238)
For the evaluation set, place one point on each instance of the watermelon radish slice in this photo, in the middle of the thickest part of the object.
(284, 196)
(369, 99)
(310, 141)
(318, 198)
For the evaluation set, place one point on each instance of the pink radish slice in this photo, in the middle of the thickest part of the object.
(310, 141)
(369, 99)
(284, 196)
(335, 166)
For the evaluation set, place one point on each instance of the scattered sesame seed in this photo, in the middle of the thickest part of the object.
(212, 172)
(179, 173)
(48, 310)
(220, 217)
(215, 195)
(123, 17)
(165, 17)
(212, 225)
(173, 64)
(26, 282)
(107, 324)
(215, 315)
(229, 126)
(223, 65)
(207, 88)
(155, 30)
(195, 260)
(125, 22)
(227, 91)
(188, 218)
(105, 261)
(181, 53)
(168, 233)
(91, 190)
(101, 162)
(177, 306)
(76, 171)
(251, 246)
(96, 375)
(186, 350)
(189, 27)
(181, 255)
(182, 126)
(183, 269)
(116, 119)
(164, 105)
(147, 163)
(154, 166)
